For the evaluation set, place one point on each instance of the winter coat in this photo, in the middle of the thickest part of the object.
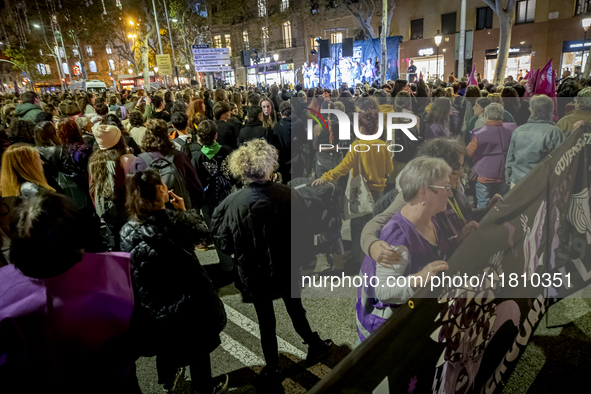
(253, 224)
(567, 123)
(227, 134)
(56, 159)
(27, 111)
(530, 143)
(281, 140)
(254, 129)
(182, 310)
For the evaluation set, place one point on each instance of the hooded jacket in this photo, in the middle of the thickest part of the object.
(27, 111)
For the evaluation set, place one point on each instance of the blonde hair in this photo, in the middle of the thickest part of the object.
(255, 161)
(19, 165)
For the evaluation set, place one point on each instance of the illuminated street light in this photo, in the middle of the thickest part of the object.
(37, 26)
(174, 20)
(187, 67)
(155, 69)
(438, 38)
(131, 22)
(130, 71)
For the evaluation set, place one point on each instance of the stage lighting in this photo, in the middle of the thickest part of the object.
(313, 52)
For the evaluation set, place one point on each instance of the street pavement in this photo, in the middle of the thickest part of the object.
(556, 359)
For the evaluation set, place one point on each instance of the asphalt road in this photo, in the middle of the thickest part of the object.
(556, 359)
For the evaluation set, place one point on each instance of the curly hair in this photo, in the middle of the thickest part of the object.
(368, 122)
(253, 162)
(21, 131)
(136, 119)
(156, 138)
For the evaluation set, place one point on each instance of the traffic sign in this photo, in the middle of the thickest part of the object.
(212, 69)
(212, 62)
(210, 51)
(200, 46)
(164, 64)
(212, 57)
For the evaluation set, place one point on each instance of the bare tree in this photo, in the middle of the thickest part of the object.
(505, 16)
(365, 10)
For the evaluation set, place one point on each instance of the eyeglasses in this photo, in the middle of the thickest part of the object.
(441, 187)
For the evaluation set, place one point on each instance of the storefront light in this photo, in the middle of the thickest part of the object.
(586, 23)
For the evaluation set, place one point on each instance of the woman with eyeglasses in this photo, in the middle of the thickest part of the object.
(414, 233)
(456, 222)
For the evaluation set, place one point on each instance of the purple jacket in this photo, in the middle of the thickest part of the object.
(491, 150)
(398, 231)
(437, 130)
(67, 328)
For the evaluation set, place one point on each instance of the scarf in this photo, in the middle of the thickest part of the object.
(211, 150)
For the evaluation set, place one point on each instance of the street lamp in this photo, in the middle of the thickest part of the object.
(438, 38)
(174, 20)
(276, 57)
(586, 23)
(130, 71)
(131, 22)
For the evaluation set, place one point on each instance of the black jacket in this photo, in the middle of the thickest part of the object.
(183, 312)
(227, 134)
(253, 129)
(281, 140)
(254, 224)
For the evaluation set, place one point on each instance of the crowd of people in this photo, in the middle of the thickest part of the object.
(107, 199)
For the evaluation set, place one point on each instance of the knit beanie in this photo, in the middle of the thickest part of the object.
(107, 136)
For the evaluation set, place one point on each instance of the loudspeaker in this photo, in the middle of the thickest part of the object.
(347, 47)
(324, 49)
(245, 56)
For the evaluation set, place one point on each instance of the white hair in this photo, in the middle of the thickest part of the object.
(494, 111)
(421, 172)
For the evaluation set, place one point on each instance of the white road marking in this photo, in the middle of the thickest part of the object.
(241, 353)
(253, 328)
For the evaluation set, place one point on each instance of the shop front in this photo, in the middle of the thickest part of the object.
(574, 53)
(518, 63)
(426, 63)
(272, 73)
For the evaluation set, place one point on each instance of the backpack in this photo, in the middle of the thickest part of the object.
(170, 175)
(217, 186)
(190, 146)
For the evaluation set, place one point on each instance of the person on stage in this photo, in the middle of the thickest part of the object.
(326, 77)
(314, 75)
(306, 75)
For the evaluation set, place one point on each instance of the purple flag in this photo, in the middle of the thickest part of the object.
(530, 85)
(472, 80)
(544, 80)
(16, 91)
(420, 75)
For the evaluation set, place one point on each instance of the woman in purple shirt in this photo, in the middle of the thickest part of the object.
(413, 232)
(438, 120)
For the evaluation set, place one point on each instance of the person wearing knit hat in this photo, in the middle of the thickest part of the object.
(107, 136)
(107, 169)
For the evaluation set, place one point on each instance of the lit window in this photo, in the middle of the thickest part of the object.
(262, 8)
(89, 50)
(245, 39)
(336, 38)
(75, 52)
(92, 66)
(47, 69)
(61, 50)
(111, 65)
(525, 11)
(41, 68)
(265, 33)
(41, 52)
(228, 43)
(284, 5)
(109, 51)
(217, 41)
(65, 68)
(287, 34)
(128, 63)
